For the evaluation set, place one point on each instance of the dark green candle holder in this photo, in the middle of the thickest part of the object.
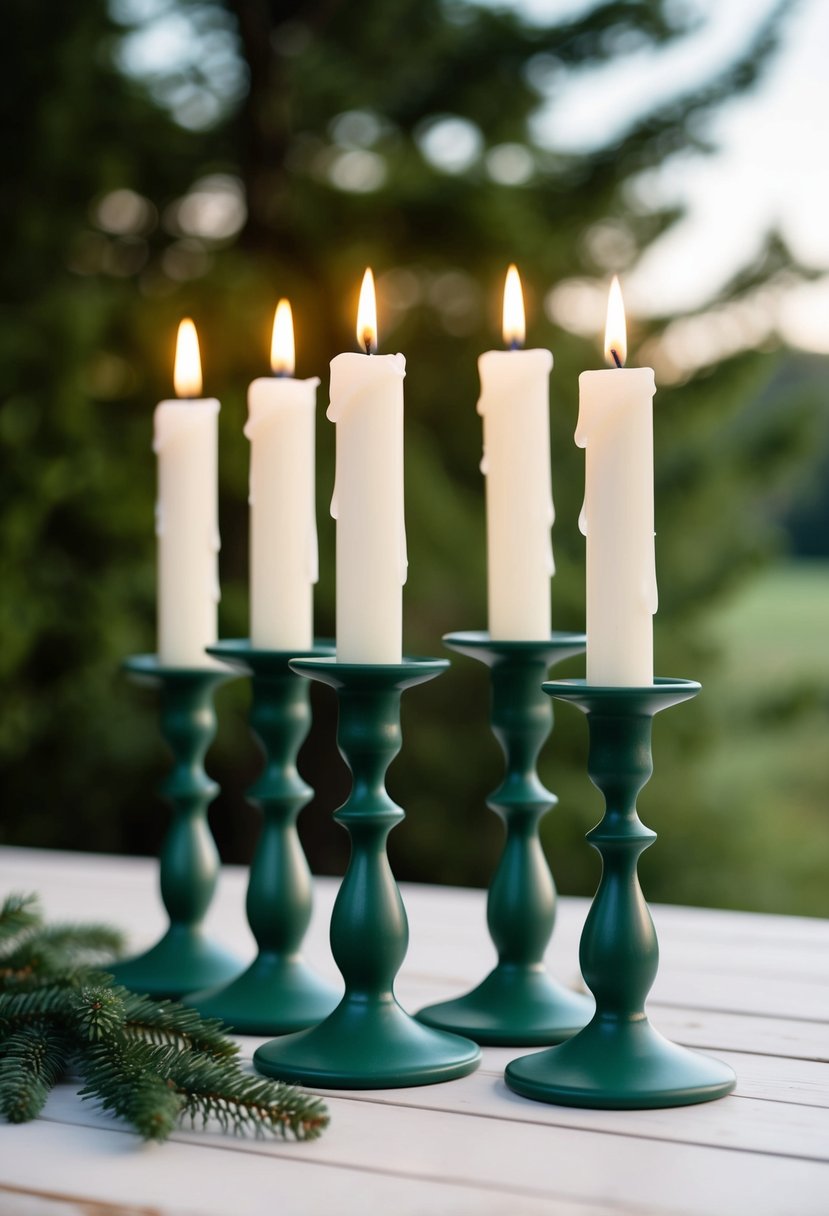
(619, 1061)
(518, 1003)
(278, 993)
(369, 1041)
(185, 959)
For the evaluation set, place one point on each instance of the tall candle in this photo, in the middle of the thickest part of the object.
(615, 428)
(367, 408)
(186, 443)
(283, 526)
(515, 405)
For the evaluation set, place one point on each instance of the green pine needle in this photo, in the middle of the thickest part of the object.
(243, 1103)
(202, 1088)
(98, 1012)
(29, 949)
(121, 1075)
(44, 1003)
(65, 946)
(163, 1022)
(18, 913)
(148, 1062)
(33, 1059)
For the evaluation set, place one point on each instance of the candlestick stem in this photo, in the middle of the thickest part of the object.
(369, 1041)
(518, 1002)
(278, 993)
(619, 1061)
(184, 959)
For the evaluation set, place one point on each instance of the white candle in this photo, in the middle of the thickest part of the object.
(283, 527)
(515, 406)
(367, 408)
(615, 428)
(187, 513)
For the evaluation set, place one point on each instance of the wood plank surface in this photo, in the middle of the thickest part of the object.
(753, 990)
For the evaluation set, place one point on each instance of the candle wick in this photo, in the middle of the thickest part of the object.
(514, 344)
(616, 358)
(367, 341)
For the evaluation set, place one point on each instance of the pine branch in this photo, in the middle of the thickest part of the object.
(33, 1059)
(98, 1012)
(147, 1062)
(121, 1075)
(67, 945)
(43, 1004)
(167, 1022)
(30, 950)
(153, 1085)
(18, 913)
(242, 1102)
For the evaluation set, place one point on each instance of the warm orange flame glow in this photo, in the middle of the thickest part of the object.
(514, 325)
(367, 315)
(283, 353)
(187, 370)
(615, 333)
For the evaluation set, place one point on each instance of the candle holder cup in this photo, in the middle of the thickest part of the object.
(619, 1061)
(369, 1041)
(184, 959)
(277, 993)
(518, 1003)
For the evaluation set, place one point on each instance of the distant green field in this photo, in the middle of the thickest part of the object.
(766, 781)
(778, 627)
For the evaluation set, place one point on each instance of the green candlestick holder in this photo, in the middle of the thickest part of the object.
(369, 1041)
(519, 1002)
(619, 1061)
(185, 959)
(278, 993)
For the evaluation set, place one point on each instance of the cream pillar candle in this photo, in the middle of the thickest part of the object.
(367, 408)
(283, 527)
(515, 406)
(615, 428)
(187, 513)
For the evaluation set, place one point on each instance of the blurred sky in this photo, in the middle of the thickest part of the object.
(769, 171)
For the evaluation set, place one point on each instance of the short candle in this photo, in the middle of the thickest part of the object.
(615, 428)
(283, 526)
(186, 443)
(367, 408)
(515, 407)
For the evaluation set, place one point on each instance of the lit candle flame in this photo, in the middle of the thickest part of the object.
(367, 315)
(615, 333)
(187, 370)
(514, 325)
(283, 353)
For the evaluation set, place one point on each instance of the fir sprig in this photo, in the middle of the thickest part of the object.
(19, 912)
(33, 1059)
(31, 952)
(149, 1062)
(165, 1022)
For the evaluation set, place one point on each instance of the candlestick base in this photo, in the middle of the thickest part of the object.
(369, 1041)
(625, 1066)
(619, 1062)
(518, 1003)
(515, 1006)
(184, 959)
(278, 993)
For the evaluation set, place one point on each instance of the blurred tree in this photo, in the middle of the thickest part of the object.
(279, 147)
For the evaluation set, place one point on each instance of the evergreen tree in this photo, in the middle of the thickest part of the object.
(325, 115)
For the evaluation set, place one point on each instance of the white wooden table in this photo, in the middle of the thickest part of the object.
(752, 989)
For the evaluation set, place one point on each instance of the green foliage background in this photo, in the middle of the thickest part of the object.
(88, 318)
